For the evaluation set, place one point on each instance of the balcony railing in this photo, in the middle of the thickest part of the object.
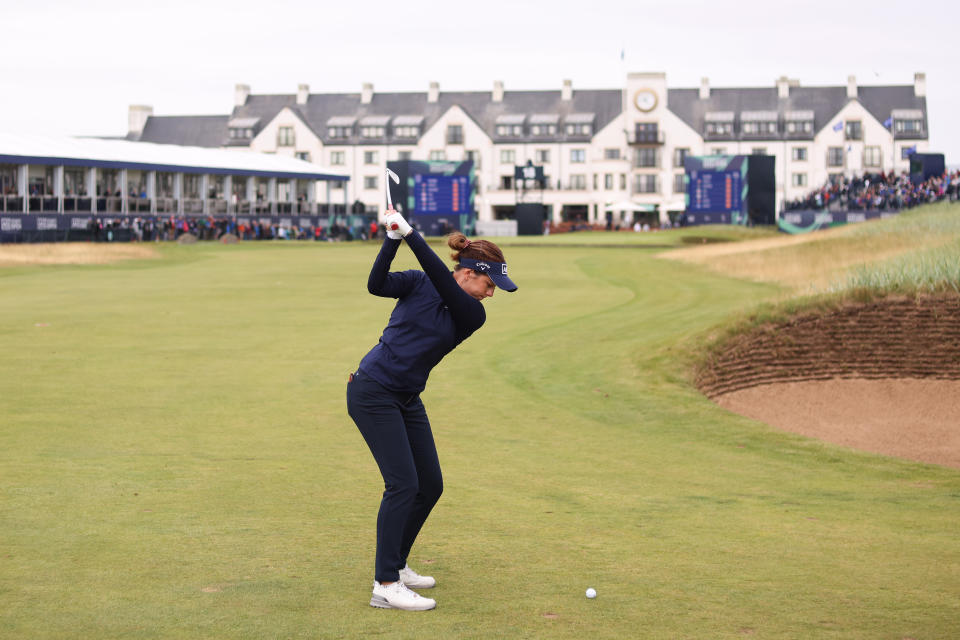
(646, 137)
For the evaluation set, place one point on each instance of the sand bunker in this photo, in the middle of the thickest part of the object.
(882, 376)
(16, 255)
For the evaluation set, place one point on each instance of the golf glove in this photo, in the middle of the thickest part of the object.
(393, 235)
(397, 224)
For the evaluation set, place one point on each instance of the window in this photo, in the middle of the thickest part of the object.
(370, 157)
(798, 179)
(758, 151)
(646, 157)
(438, 155)
(906, 152)
(285, 137)
(608, 181)
(799, 126)
(506, 182)
(406, 131)
(508, 156)
(337, 185)
(908, 126)
(834, 178)
(579, 129)
(719, 128)
(645, 184)
(611, 154)
(853, 130)
(372, 131)
(718, 151)
(241, 133)
(474, 156)
(578, 155)
(454, 134)
(510, 130)
(404, 155)
(798, 154)
(755, 128)
(578, 182)
(543, 129)
(596, 182)
(369, 182)
(542, 156)
(678, 183)
(339, 132)
(871, 157)
(623, 182)
(302, 155)
(835, 157)
(680, 156)
(338, 158)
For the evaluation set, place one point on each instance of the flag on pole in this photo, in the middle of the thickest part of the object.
(838, 126)
(888, 122)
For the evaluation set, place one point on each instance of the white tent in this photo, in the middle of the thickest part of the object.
(629, 205)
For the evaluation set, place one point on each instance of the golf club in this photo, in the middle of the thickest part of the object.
(391, 176)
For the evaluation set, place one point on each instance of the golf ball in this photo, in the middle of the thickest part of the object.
(591, 593)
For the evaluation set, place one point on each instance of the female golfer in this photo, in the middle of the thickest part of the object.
(436, 310)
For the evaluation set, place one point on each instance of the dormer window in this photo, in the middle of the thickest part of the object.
(340, 126)
(510, 125)
(242, 128)
(544, 124)
(799, 123)
(407, 127)
(758, 123)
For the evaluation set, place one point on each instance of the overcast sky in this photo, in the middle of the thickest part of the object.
(74, 67)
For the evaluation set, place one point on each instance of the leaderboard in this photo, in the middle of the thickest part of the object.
(715, 191)
(441, 194)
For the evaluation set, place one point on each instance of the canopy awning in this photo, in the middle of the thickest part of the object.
(19, 148)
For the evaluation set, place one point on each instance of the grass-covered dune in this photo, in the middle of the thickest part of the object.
(176, 461)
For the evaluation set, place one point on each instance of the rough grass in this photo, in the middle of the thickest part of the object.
(817, 262)
(15, 255)
(176, 462)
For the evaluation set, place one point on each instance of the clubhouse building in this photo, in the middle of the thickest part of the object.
(607, 154)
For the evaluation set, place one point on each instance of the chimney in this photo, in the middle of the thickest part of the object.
(920, 85)
(498, 91)
(137, 118)
(240, 94)
(566, 93)
(783, 87)
(704, 88)
(434, 94)
(303, 92)
(367, 94)
(851, 87)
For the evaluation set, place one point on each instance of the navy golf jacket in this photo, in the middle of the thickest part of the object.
(432, 316)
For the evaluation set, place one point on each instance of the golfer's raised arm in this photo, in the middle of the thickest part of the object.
(383, 283)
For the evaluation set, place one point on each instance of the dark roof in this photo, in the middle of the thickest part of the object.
(825, 102)
(478, 105)
(197, 131)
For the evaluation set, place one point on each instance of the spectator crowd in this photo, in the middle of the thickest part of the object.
(879, 192)
(210, 228)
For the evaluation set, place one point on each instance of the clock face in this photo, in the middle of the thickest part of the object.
(645, 99)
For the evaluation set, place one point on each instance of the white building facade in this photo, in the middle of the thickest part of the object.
(605, 153)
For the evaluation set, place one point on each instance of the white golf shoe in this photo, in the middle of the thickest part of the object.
(414, 580)
(398, 596)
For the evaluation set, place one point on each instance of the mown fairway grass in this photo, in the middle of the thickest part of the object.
(176, 461)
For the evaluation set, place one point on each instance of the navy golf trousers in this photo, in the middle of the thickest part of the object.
(396, 428)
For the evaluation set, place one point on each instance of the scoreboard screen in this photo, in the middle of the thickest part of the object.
(435, 197)
(441, 194)
(715, 191)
